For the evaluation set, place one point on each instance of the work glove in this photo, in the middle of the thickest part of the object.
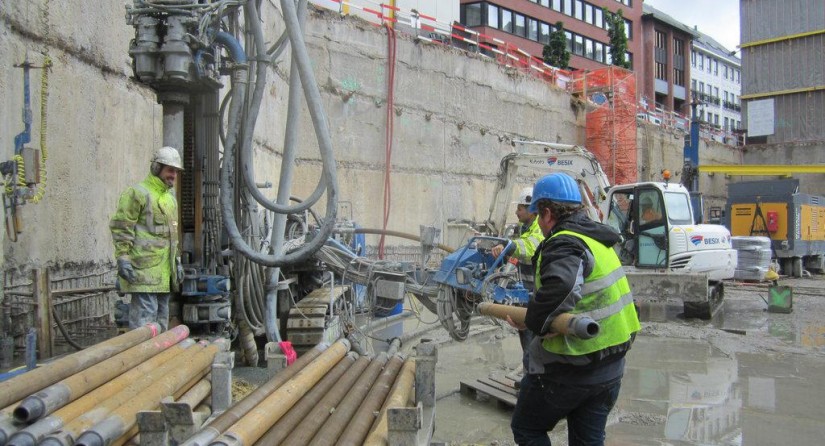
(179, 270)
(126, 271)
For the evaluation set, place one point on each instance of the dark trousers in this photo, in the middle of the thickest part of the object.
(542, 403)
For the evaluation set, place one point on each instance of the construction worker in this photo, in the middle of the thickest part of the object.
(577, 271)
(529, 239)
(145, 234)
(649, 214)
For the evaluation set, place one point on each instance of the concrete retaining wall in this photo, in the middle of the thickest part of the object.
(455, 116)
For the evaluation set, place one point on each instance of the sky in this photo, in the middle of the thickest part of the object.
(716, 18)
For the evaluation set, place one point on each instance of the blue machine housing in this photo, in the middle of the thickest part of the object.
(475, 262)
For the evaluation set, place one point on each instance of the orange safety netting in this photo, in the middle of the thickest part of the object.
(610, 94)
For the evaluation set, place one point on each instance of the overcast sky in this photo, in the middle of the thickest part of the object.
(716, 18)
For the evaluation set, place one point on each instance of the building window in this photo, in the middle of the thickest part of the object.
(579, 12)
(599, 52)
(678, 77)
(598, 17)
(588, 13)
(569, 38)
(507, 20)
(726, 123)
(472, 14)
(544, 33)
(725, 71)
(588, 49)
(628, 29)
(568, 7)
(532, 29)
(492, 16)
(520, 28)
(693, 58)
(693, 85)
(710, 65)
(557, 5)
(660, 56)
(578, 45)
(701, 61)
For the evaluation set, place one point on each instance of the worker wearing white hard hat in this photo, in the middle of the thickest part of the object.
(525, 246)
(145, 235)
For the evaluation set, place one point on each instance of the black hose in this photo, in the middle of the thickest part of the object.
(65, 332)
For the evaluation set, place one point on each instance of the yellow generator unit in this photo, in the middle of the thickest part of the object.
(795, 222)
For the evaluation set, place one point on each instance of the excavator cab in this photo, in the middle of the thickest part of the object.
(639, 215)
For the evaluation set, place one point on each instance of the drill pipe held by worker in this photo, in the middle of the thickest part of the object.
(567, 324)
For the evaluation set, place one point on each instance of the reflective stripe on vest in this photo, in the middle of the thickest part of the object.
(605, 297)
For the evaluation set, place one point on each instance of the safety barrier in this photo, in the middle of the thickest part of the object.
(427, 28)
(672, 120)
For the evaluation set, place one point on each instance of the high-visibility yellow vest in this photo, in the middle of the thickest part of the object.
(606, 298)
(527, 243)
(145, 230)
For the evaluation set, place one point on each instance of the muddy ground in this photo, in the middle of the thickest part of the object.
(747, 377)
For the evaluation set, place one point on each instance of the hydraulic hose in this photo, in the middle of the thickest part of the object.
(247, 167)
(398, 234)
(314, 103)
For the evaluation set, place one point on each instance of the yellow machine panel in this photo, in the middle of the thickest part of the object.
(812, 222)
(742, 220)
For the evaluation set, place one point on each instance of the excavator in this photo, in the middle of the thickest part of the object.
(665, 254)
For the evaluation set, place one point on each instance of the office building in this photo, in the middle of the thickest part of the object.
(527, 24)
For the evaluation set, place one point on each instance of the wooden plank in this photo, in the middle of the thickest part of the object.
(504, 381)
(43, 323)
(475, 387)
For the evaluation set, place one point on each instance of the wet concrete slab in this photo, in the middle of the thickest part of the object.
(748, 377)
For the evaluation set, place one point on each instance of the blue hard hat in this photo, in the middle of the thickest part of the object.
(558, 187)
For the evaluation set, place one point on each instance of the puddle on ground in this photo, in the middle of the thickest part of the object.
(675, 391)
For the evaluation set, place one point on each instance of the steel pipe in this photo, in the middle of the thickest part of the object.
(399, 396)
(329, 432)
(72, 430)
(367, 413)
(236, 412)
(124, 417)
(303, 433)
(255, 423)
(54, 422)
(280, 430)
(24, 385)
(59, 394)
(565, 323)
(7, 424)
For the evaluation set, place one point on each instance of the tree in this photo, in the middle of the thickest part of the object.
(618, 38)
(555, 52)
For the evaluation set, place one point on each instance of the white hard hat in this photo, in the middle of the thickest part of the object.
(525, 197)
(168, 156)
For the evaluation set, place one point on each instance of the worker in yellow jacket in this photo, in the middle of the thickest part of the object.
(145, 235)
(530, 238)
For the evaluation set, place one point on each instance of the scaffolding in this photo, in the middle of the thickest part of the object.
(610, 130)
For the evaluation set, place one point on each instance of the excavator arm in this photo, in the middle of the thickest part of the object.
(542, 159)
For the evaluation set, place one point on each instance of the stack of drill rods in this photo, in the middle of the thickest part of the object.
(34, 380)
(366, 413)
(161, 376)
(54, 422)
(191, 394)
(59, 394)
(329, 432)
(279, 430)
(309, 425)
(255, 423)
(231, 416)
(123, 418)
(15, 389)
(398, 397)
